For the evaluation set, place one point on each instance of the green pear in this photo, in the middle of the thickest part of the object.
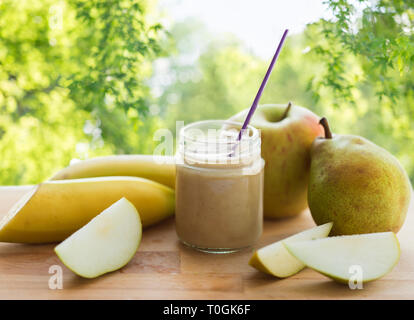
(287, 134)
(356, 184)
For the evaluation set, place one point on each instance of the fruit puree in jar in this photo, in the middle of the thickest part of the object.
(219, 188)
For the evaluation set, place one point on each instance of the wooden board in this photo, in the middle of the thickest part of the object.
(164, 269)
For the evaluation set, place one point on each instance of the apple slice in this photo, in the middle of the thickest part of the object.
(274, 259)
(374, 254)
(107, 243)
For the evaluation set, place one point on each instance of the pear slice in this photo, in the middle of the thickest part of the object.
(274, 259)
(107, 243)
(374, 254)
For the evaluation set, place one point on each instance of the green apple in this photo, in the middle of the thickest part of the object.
(372, 254)
(274, 259)
(287, 134)
(107, 243)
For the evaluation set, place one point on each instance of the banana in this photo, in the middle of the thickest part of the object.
(53, 210)
(160, 169)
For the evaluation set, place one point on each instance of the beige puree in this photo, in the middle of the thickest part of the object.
(219, 206)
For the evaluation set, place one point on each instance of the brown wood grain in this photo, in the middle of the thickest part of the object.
(164, 269)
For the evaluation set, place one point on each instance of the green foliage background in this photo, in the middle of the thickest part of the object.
(82, 78)
(72, 83)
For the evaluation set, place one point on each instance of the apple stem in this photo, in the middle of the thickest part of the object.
(324, 123)
(287, 110)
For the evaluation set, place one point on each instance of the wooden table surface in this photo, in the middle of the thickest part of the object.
(164, 269)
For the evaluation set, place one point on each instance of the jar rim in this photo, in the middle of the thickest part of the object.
(251, 137)
(205, 147)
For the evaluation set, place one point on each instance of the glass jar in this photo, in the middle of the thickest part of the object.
(219, 186)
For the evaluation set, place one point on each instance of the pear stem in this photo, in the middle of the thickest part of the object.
(287, 110)
(324, 123)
